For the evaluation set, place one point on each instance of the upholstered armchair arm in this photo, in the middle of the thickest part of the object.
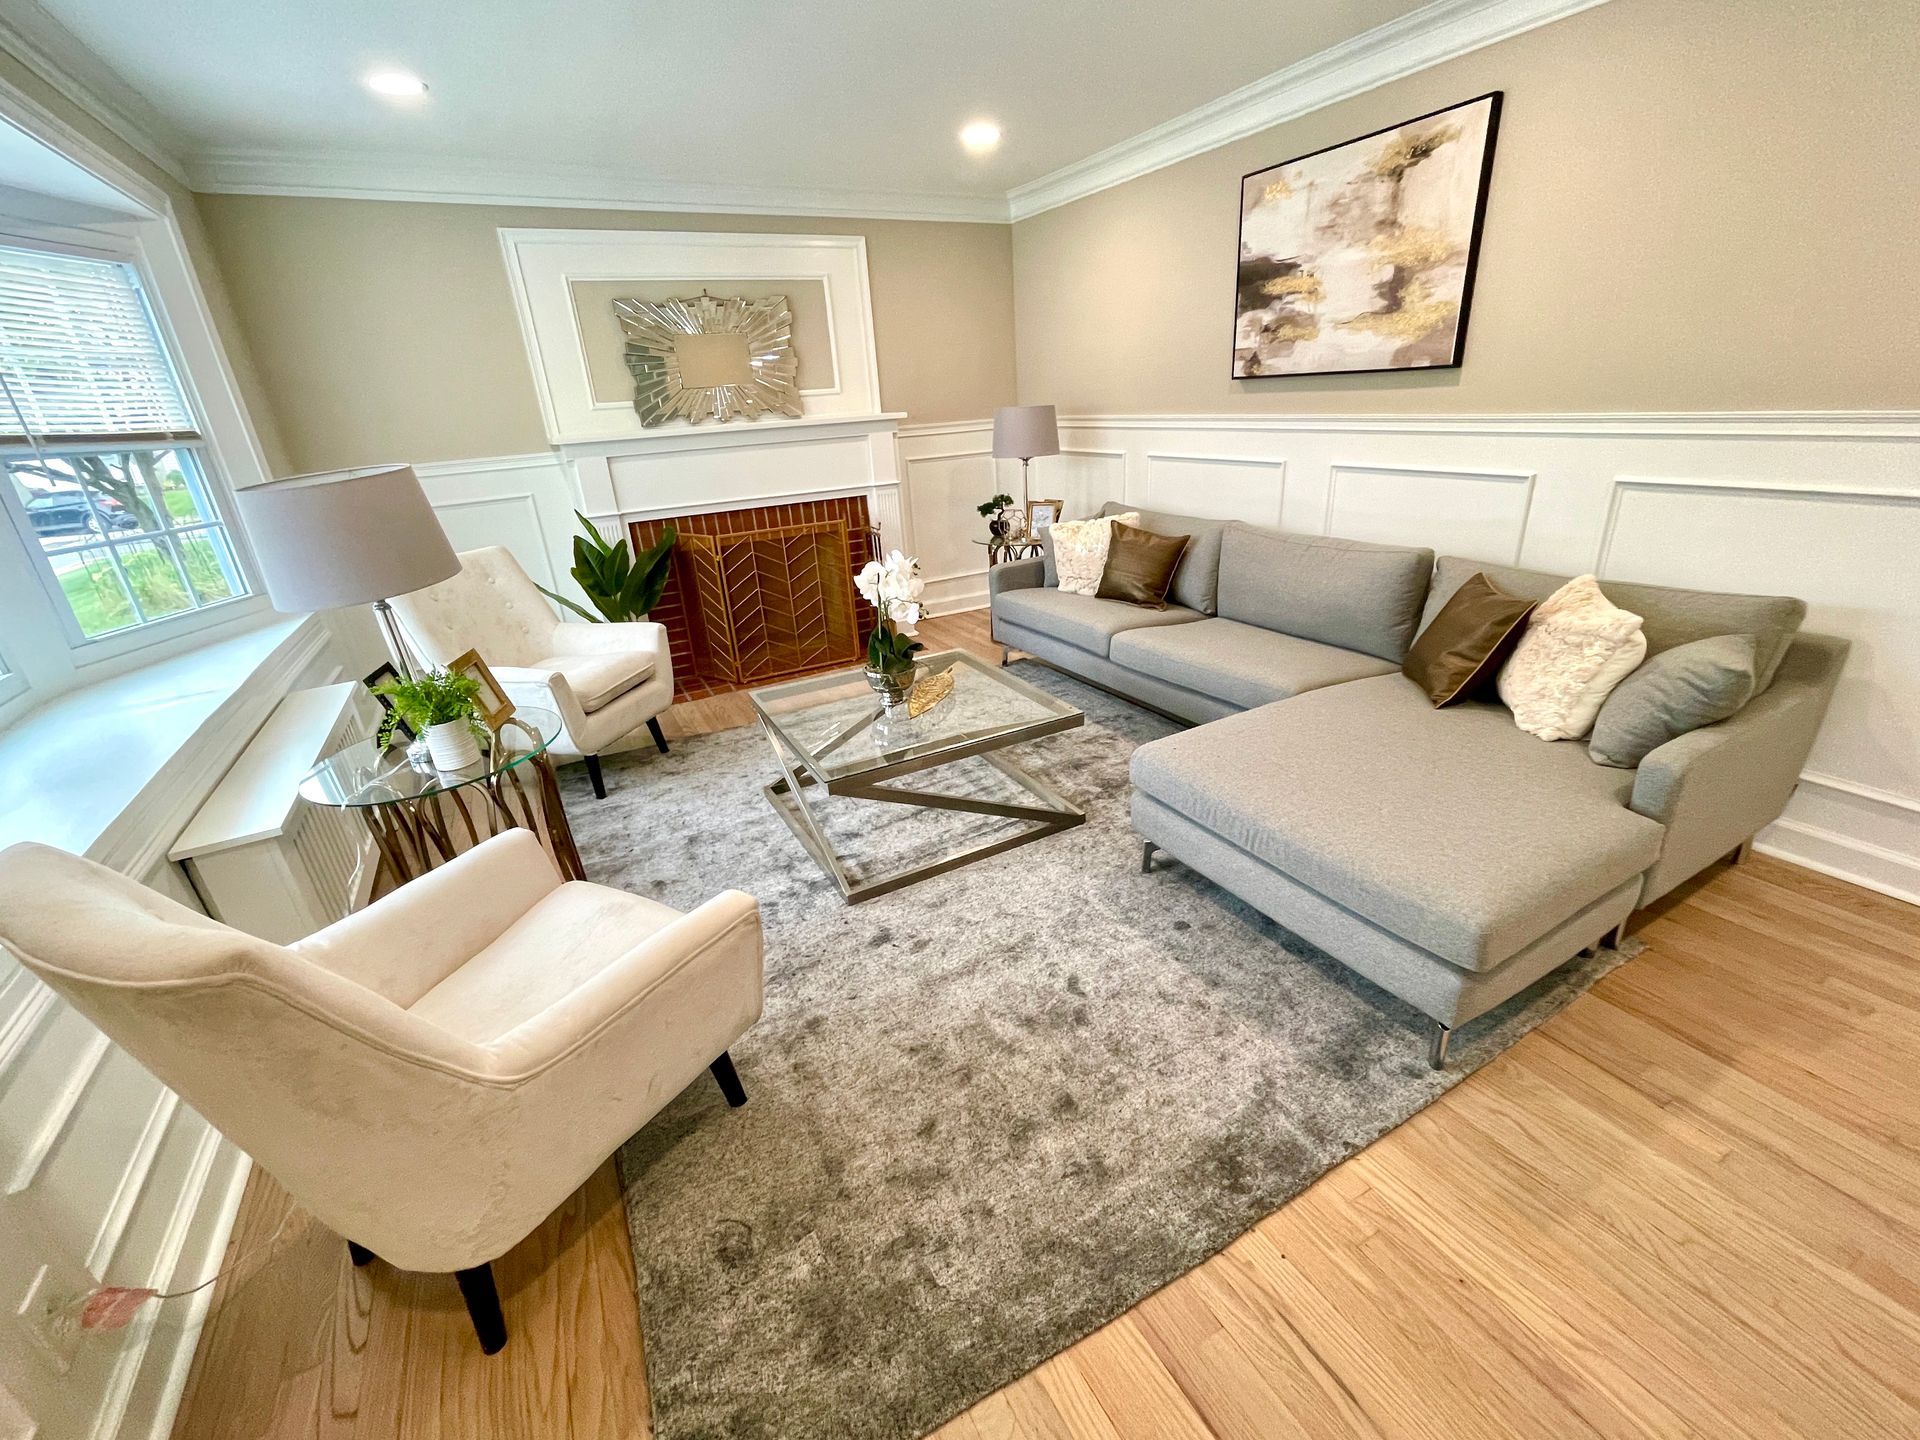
(678, 998)
(547, 689)
(404, 944)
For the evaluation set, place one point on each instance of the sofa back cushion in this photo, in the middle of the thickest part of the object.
(1672, 616)
(1196, 583)
(1348, 593)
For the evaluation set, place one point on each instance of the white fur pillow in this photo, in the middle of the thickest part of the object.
(1578, 645)
(1080, 550)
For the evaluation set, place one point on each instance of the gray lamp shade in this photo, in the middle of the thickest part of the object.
(1021, 432)
(345, 537)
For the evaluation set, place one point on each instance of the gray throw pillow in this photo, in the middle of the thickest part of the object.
(1676, 691)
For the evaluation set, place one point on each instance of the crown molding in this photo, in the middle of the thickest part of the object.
(1438, 32)
(1435, 33)
(57, 56)
(451, 181)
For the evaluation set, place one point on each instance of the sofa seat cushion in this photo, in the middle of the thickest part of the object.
(1083, 620)
(1453, 829)
(1242, 664)
(599, 680)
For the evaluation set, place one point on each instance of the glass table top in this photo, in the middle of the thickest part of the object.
(836, 724)
(363, 774)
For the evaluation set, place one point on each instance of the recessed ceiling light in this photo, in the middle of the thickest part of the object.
(396, 83)
(980, 136)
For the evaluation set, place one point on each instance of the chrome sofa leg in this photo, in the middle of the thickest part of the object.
(1146, 857)
(1437, 1045)
(1616, 935)
(1006, 656)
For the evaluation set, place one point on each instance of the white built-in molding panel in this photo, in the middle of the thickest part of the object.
(613, 469)
(1825, 506)
(262, 859)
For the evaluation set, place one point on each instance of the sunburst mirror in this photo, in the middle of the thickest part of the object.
(710, 359)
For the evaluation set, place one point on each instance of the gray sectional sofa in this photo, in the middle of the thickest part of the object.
(1446, 855)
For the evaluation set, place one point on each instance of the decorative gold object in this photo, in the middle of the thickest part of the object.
(706, 358)
(931, 690)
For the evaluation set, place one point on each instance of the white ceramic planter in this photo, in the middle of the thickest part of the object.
(452, 745)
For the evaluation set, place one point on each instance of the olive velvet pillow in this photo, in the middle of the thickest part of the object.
(1140, 565)
(1463, 647)
(1676, 691)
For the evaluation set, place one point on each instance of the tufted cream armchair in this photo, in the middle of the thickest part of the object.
(605, 681)
(430, 1076)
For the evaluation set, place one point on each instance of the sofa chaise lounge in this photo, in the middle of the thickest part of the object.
(1444, 854)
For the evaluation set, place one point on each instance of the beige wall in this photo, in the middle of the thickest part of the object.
(385, 330)
(1695, 206)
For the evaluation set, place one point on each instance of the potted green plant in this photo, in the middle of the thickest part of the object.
(439, 706)
(620, 585)
(999, 527)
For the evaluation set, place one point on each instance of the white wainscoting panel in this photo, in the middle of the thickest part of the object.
(1220, 487)
(524, 502)
(1477, 513)
(946, 474)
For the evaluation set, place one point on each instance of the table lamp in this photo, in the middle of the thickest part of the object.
(1021, 432)
(347, 537)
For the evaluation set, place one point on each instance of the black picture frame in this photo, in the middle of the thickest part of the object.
(1495, 99)
(380, 676)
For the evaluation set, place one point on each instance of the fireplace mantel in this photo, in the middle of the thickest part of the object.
(742, 466)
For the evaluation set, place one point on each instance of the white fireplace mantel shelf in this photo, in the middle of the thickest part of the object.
(680, 438)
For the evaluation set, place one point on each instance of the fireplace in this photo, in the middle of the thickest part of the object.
(762, 594)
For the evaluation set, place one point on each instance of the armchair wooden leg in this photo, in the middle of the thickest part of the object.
(483, 1307)
(729, 1079)
(361, 1255)
(659, 740)
(593, 774)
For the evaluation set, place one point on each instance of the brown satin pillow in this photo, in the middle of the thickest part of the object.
(1140, 565)
(1462, 649)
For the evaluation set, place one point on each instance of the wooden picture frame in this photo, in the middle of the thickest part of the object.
(494, 706)
(380, 676)
(1043, 513)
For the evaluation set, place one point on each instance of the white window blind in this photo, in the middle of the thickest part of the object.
(80, 360)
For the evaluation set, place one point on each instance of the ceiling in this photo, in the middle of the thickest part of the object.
(849, 98)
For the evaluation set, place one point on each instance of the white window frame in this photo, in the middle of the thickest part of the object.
(87, 650)
(32, 630)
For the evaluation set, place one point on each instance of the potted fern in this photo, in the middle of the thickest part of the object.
(438, 705)
(621, 586)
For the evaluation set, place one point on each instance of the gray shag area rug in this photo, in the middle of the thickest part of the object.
(987, 1113)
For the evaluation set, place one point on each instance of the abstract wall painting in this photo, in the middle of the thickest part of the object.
(1360, 257)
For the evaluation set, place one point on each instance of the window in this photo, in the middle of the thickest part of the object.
(105, 463)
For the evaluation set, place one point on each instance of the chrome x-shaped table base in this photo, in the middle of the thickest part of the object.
(1050, 816)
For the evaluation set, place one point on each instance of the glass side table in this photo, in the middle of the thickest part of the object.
(420, 816)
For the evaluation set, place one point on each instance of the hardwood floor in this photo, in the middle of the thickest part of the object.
(1689, 1205)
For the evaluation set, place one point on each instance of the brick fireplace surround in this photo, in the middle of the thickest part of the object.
(762, 594)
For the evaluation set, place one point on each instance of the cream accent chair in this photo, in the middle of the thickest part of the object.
(432, 1075)
(605, 681)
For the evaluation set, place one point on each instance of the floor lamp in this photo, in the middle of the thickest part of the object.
(347, 537)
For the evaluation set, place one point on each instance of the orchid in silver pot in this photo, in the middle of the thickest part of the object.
(893, 587)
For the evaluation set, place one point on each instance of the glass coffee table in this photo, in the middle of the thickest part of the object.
(830, 733)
